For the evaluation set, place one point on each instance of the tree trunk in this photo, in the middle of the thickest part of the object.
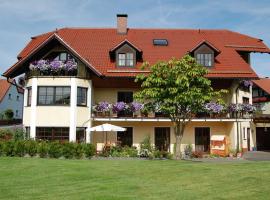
(179, 128)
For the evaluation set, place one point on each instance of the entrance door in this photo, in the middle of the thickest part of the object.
(263, 138)
(202, 139)
(125, 138)
(162, 138)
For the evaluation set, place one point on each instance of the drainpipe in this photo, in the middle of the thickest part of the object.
(237, 124)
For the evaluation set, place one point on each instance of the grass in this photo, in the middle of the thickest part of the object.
(34, 178)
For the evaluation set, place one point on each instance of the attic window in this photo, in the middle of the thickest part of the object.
(160, 42)
(62, 56)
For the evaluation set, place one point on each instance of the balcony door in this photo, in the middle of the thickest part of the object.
(162, 138)
(125, 138)
(126, 97)
(202, 139)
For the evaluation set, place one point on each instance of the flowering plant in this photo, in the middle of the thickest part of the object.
(248, 108)
(247, 83)
(136, 106)
(102, 106)
(53, 66)
(118, 107)
(234, 107)
(213, 107)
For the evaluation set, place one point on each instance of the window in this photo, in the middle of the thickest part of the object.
(29, 96)
(125, 138)
(9, 96)
(50, 133)
(81, 96)
(125, 59)
(245, 100)
(162, 138)
(255, 92)
(160, 42)
(53, 95)
(63, 56)
(204, 59)
(244, 133)
(80, 135)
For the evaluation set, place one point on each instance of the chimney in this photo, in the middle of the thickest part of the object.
(122, 23)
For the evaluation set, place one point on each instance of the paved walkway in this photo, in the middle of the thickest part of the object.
(257, 156)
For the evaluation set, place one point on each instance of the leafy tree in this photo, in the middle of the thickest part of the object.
(179, 88)
(9, 114)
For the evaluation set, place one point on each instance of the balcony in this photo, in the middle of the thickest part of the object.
(135, 111)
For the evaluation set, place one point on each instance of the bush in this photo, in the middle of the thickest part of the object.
(131, 151)
(43, 149)
(9, 114)
(145, 147)
(78, 150)
(31, 147)
(89, 150)
(1, 148)
(18, 134)
(55, 149)
(197, 154)
(6, 134)
(188, 150)
(9, 148)
(68, 150)
(19, 148)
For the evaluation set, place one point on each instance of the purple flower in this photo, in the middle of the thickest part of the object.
(56, 65)
(70, 65)
(233, 107)
(214, 107)
(136, 106)
(103, 106)
(248, 108)
(118, 107)
(247, 83)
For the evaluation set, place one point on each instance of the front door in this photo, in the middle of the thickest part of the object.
(202, 139)
(263, 138)
(162, 138)
(125, 138)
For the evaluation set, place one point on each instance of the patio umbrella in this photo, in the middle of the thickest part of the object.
(107, 127)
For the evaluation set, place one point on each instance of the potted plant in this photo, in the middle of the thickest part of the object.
(103, 109)
(214, 109)
(135, 107)
(118, 107)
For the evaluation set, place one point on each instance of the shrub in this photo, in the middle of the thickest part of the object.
(145, 147)
(89, 150)
(131, 151)
(157, 154)
(1, 148)
(43, 149)
(197, 154)
(68, 150)
(5, 134)
(55, 149)
(188, 150)
(9, 114)
(78, 150)
(19, 148)
(31, 147)
(9, 148)
(18, 134)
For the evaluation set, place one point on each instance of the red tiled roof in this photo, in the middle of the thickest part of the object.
(264, 84)
(4, 87)
(94, 45)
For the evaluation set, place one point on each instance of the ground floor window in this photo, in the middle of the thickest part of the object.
(202, 139)
(125, 138)
(80, 134)
(52, 133)
(162, 138)
(27, 132)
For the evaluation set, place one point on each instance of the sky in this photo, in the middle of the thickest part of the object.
(22, 19)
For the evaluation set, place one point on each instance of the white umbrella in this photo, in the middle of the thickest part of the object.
(107, 127)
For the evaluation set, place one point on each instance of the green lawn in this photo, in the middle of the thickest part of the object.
(33, 178)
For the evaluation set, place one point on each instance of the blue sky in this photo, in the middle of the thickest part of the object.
(21, 19)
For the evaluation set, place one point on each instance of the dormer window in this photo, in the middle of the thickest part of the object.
(205, 59)
(125, 59)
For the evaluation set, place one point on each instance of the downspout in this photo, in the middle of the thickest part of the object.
(237, 124)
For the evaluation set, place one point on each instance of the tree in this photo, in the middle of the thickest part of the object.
(9, 114)
(180, 89)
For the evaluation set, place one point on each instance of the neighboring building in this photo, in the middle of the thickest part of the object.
(11, 97)
(58, 105)
(261, 98)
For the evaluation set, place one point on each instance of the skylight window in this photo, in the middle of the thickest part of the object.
(160, 42)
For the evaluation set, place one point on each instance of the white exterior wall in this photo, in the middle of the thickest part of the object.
(70, 116)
